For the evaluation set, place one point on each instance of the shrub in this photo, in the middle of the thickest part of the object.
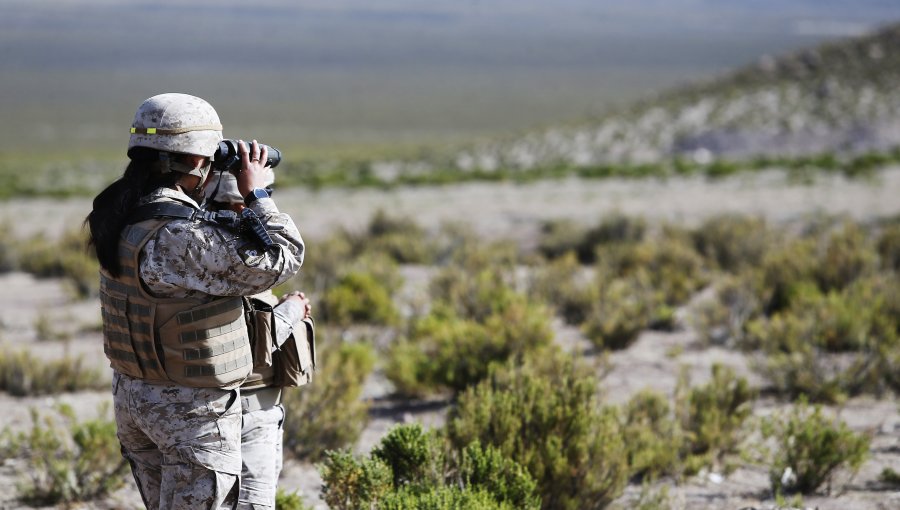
(810, 449)
(544, 414)
(827, 346)
(413, 468)
(624, 308)
(563, 284)
(505, 479)
(888, 246)
(559, 238)
(358, 297)
(21, 374)
(7, 248)
(66, 258)
(289, 501)
(69, 461)
(712, 416)
(889, 477)
(671, 267)
(349, 483)
(847, 256)
(400, 238)
(474, 293)
(733, 242)
(442, 498)
(616, 230)
(328, 413)
(413, 455)
(785, 270)
(446, 351)
(651, 436)
(723, 319)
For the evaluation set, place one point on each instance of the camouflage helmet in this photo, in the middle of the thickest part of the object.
(178, 123)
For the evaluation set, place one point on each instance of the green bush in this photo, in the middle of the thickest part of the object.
(651, 436)
(624, 308)
(545, 415)
(358, 297)
(413, 455)
(616, 230)
(446, 351)
(712, 417)
(810, 448)
(723, 320)
(328, 413)
(414, 468)
(22, 374)
(69, 461)
(888, 246)
(785, 270)
(559, 238)
(828, 346)
(7, 248)
(847, 256)
(289, 501)
(349, 483)
(474, 291)
(67, 258)
(672, 268)
(564, 285)
(732, 242)
(442, 498)
(400, 238)
(505, 479)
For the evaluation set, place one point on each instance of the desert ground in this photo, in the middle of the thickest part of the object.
(513, 211)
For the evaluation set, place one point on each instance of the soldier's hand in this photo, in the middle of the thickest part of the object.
(252, 174)
(300, 298)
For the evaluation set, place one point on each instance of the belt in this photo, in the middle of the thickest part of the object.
(263, 398)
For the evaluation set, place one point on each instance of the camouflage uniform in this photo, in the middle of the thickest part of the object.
(262, 431)
(183, 443)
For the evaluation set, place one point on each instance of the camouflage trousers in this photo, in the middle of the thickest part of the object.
(183, 444)
(261, 438)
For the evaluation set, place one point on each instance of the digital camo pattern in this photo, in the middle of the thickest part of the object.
(261, 440)
(183, 444)
(198, 260)
(177, 111)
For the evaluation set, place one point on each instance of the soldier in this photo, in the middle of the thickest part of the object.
(171, 282)
(262, 430)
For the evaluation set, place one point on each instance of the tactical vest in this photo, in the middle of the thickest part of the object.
(191, 342)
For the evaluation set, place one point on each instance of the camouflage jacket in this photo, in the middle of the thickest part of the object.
(196, 260)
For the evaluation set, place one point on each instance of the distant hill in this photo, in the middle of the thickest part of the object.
(841, 97)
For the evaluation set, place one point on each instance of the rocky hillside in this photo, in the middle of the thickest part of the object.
(840, 98)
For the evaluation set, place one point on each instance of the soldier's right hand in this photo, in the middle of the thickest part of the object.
(252, 174)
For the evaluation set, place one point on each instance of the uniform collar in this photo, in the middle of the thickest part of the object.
(169, 194)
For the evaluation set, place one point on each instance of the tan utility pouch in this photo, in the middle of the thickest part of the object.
(295, 361)
(262, 330)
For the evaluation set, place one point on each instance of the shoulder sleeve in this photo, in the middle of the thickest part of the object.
(190, 258)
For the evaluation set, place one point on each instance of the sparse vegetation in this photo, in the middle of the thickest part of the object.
(69, 460)
(810, 449)
(328, 413)
(414, 468)
(23, 374)
(545, 414)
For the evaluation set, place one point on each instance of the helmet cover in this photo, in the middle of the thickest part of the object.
(177, 123)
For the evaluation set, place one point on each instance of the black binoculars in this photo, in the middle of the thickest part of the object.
(227, 157)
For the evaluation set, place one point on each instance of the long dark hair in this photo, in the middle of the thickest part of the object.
(113, 205)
